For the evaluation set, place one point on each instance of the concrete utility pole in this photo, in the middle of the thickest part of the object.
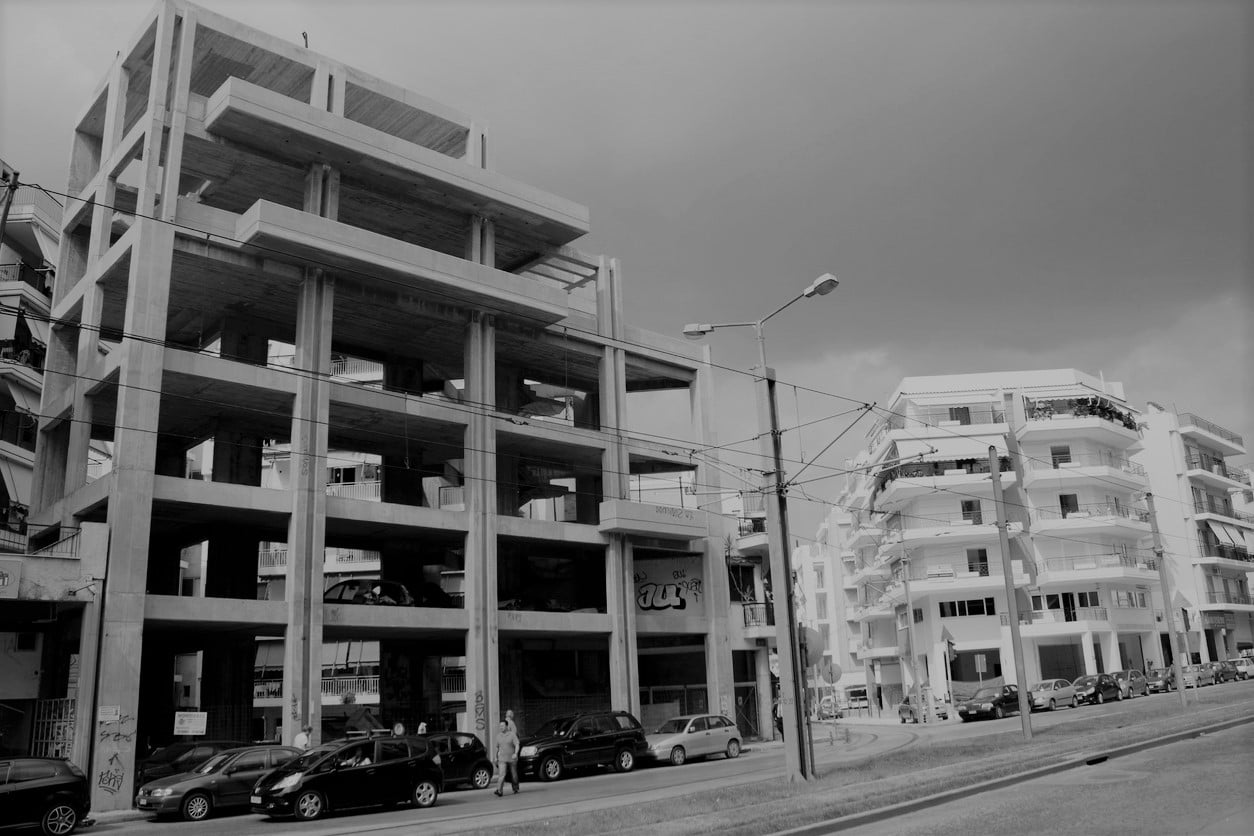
(1164, 580)
(916, 688)
(10, 192)
(1012, 606)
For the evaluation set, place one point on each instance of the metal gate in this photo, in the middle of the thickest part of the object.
(747, 710)
(52, 735)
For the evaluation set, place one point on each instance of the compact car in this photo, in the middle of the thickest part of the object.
(463, 758)
(1160, 679)
(990, 701)
(1224, 672)
(1244, 666)
(595, 738)
(182, 756)
(1195, 676)
(1132, 683)
(907, 713)
(1096, 688)
(1048, 694)
(222, 782)
(48, 793)
(349, 774)
(680, 739)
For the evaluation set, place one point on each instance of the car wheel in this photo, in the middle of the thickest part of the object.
(1052, 705)
(59, 820)
(1119, 696)
(196, 807)
(1075, 703)
(678, 756)
(998, 712)
(964, 718)
(624, 760)
(733, 748)
(424, 794)
(481, 777)
(551, 769)
(1100, 698)
(309, 805)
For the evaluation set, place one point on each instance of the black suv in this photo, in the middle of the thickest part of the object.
(594, 738)
(46, 792)
(351, 773)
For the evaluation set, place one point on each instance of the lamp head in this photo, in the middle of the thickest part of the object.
(821, 286)
(697, 330)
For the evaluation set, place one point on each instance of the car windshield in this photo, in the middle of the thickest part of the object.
(211, 765)
(555, 728)
(1086, 680)
(171, 752)
(1047, 685)
(1161, 672)
(673, 726)
(986, 693)
(308, 759)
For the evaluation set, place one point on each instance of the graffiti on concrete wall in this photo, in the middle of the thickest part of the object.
(481, 712)
(670, 584)
(115, 736)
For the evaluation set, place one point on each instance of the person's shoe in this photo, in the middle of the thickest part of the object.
(515, 792)
(497, 793)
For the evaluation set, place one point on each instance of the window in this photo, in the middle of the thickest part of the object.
(971, 511)
(818, 577)
(699, 724)
(250, 760)
(918, 615)
(1060, 455)
(825, 630)
(392, 750)
(626, 722)
(1068, 503)
(977, 561)
(961, 414)
(31, 771)
(820, 607)
(973, 606)
(1087, 599)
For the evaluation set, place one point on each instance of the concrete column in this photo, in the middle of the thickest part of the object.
(624, 675)
(482, 649)
(1110, 650)
(306, 539)
(766, 695)
(1090, 658)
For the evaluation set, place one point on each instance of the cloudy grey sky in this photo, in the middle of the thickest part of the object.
(998, 185)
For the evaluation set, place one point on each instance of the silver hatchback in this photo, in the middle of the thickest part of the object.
(694, 736)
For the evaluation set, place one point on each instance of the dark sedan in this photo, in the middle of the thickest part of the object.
(991, 701)
(348, 774)
(182, 756)
(1096, 688)
(48, 793)
(222, 782)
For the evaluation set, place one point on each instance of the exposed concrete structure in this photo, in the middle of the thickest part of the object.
(239, 198)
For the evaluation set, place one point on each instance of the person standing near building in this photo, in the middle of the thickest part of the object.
(506, 757)
(303, 738)
(509, 721)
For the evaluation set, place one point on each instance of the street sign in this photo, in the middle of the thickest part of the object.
(108, 713)
(190, 722)
(981, 666)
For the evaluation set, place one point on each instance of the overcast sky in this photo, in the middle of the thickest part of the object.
(997, 185)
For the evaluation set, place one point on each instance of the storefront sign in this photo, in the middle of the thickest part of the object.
(670, 585)
(190, 722)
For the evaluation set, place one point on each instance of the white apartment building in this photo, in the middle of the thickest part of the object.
(917, 537)
(1207, 534)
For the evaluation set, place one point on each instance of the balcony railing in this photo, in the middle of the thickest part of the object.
(1210, 505)
(1048, 409)
(453, 681)
(1093, 562)
(1213, 464)
(1086, 460)
(356, 490)
(1093, 510)
(1190, 419)
(338, 686)
(1208, 549)
(1228, 598)
(1059, 616)
(25, 274)
(758, 614)
(952, 467)
(752, 525)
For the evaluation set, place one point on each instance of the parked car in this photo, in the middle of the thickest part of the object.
(1131, 683)
(182, 756)
(463, 758)
(1244, 666)
(222, 782)
(907, 713)
(369, 591)
(1096, 688)
(1051, 693)
(829, 709)
(991, 701)
(1195, 676)
(595, 738)
(48, 793)
(1224, 671)
(1160, 679)
(693, 736)
(348, 774)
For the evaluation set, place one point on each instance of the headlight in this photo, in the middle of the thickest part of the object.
(288, 781)
(988, 706)
(162, 792)
(529, 751)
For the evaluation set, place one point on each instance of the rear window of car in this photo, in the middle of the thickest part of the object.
(31, 771)
(626, 722)
(417, 746)
(393, 750)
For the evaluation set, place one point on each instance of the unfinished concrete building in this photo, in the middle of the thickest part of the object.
(251, 223)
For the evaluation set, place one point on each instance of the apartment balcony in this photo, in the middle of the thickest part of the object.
(1212, 435)
(901, 483)
(752, 537)
(1042, 623)
(1135, 618)
(453, 683)
(1213, 507)
(756, 617)
(1235, 559)
(364, 690)
(946, 579)
(371, 491)
(1095, 419)
(863, 534)
(872, 612)
(1080, 470)
(30, 276)
(868, 653)
(1099, 517)
(1098, 567)
(1236, 601)
(1215, 473)
(973, 528)
(273, 561)
(622, 516)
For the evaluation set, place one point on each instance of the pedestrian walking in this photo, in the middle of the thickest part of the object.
(506, 758)
(303, 738)
(779, 719)
(509, 721)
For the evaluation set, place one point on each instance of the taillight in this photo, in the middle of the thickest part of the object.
(436, 760)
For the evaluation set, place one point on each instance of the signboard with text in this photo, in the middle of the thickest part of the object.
(672, 584)
(10, 577)
(190, 722)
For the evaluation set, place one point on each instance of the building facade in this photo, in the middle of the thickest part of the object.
(921, 554)
(249, 223)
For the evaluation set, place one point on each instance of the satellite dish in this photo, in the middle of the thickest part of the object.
(833, 675)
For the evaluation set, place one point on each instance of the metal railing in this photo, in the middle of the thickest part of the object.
(1101, 560)
(1210, 505)
(453, 681)
(1060, 616)
(452, 496)
(271, 558)
(1093, 510)
(758, 614)
(338, 686)
(752, 525)
(1190, 419)
(25, 274)
(18, 428)
(1208, 549)
(1228, 598)
(371, 490)
(1086, 460)
(1049, 409)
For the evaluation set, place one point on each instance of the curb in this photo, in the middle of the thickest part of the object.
(115, 817)
(882, 813)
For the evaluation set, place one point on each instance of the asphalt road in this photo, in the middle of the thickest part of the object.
(1199, 786)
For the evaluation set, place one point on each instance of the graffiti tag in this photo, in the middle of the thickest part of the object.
(481, 712)
(668, 596)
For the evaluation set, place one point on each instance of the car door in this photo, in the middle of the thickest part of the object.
(451, 760)
(581, 745)
(699, 734)
(237, 778)
(351, 783)
(27, 786)
(720, 733)
(9, 811)
(392, 771)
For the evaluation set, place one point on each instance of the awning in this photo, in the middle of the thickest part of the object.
(16, 482)
(949, 449)
(1228, 534)
(22, 397)
(38, 330)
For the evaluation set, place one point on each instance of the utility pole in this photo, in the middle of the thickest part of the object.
(1164, 580)
(916, 688)
(10, 192)
(1007, 571)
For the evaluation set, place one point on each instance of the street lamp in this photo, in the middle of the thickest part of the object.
(798, 759)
